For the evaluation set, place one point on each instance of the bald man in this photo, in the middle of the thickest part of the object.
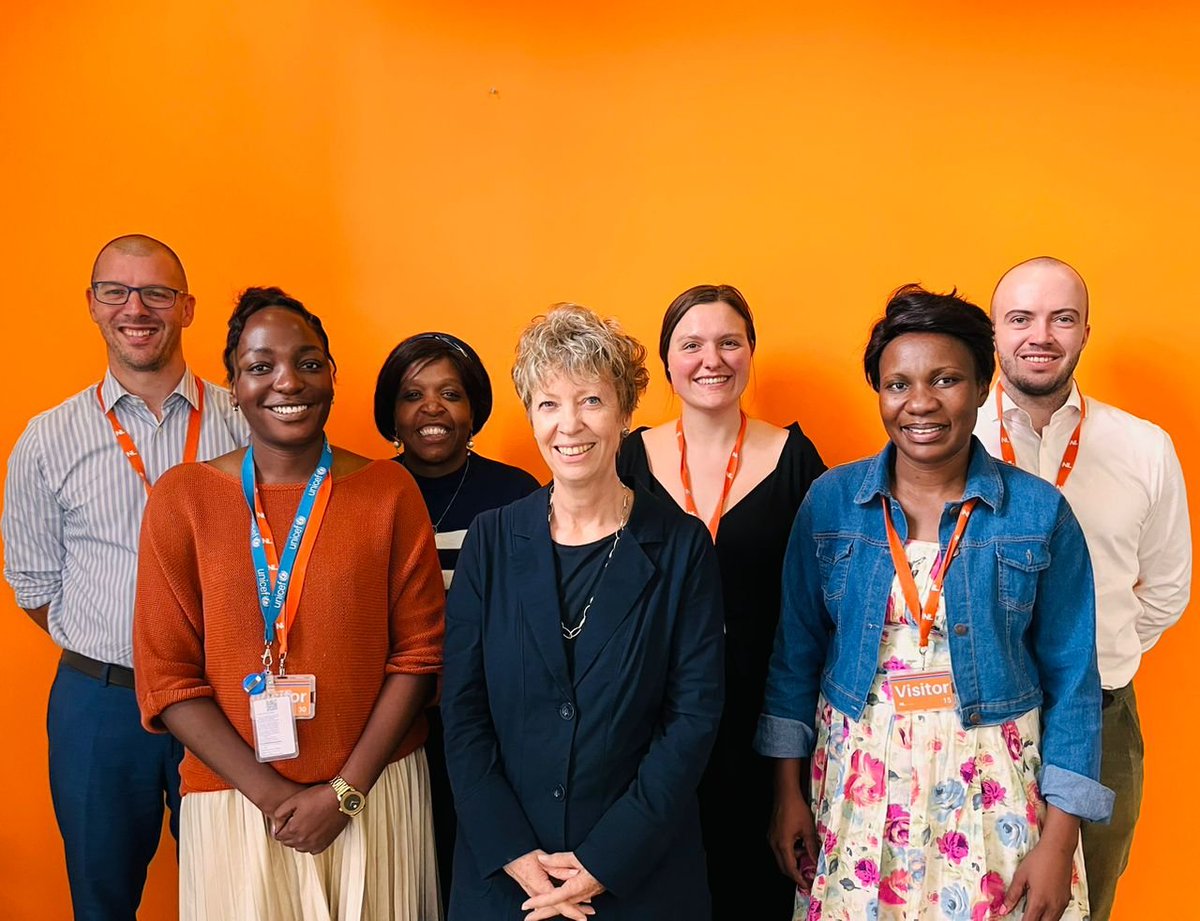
(1123, 481)
(77, 484)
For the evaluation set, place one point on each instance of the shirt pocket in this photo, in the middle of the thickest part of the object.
(1020, 564)
(833, 559)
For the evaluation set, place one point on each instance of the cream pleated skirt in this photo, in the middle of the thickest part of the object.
(381, 867)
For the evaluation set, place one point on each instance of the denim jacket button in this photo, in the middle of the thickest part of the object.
(976, 719)
(960, 630)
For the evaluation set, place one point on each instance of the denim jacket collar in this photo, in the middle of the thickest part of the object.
(983, 479)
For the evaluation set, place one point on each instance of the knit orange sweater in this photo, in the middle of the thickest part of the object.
(372, 605)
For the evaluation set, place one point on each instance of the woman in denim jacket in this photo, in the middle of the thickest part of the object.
(954, 735)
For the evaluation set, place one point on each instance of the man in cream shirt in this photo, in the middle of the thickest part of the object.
(1123, 480)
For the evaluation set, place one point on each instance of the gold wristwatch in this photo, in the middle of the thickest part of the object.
(350, 801)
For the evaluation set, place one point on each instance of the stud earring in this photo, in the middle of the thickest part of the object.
(624, 433)
(471, 443)
(396, 444)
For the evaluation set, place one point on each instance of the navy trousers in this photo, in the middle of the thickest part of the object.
(109, 780)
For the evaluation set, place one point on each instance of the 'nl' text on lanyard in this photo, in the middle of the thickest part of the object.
(279, 597)
(191, 445)
(1066, 465)
(924, 615)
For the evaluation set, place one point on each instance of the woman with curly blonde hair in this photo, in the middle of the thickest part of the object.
(584, 663)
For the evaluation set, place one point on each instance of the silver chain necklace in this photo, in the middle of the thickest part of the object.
(569, 633)
(457, 490)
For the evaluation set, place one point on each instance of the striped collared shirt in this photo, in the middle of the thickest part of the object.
(73, 506)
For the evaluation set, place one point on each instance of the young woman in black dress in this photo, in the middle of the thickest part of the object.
(745, 479)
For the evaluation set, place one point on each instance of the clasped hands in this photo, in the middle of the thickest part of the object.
(305, 818)
(570, 897)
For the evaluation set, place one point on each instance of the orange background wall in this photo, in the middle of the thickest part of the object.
(457, 165)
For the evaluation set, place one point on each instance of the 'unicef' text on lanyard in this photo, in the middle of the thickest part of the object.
(1066, 465)
(276, 598)
(923, 615)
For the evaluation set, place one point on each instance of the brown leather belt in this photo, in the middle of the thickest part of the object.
(119, 675)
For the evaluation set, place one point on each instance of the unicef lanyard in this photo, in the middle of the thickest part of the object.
(279, 597)
(1067, 464)
(191, 444)
(924, 615)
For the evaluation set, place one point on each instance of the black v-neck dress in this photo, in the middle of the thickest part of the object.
(736, 792)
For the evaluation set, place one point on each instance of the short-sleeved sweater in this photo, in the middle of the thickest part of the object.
(372, 605)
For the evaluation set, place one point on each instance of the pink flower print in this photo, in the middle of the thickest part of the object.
(866, 784)
(814, 910)
(895, 664)
(1013, 740)
(893, 888)
(831, 842)
(953, 846)
(819, 761)
(993, 793)
(1031, 815)
(895, 825)
(992, 886)
(967, 770)
(867, 872)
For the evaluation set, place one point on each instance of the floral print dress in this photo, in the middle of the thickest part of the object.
(920, 819)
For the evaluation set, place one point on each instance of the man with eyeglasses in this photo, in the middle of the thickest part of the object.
(77, 484)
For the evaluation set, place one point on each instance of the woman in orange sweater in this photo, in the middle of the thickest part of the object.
(294, 669)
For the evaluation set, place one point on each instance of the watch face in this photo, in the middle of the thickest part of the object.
(352, 803)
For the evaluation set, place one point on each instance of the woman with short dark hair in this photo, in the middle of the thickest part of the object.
(432, 398)
(936, 659)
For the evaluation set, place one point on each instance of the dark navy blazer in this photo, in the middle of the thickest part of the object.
(605, 765)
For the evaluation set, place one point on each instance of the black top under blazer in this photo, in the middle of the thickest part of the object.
(605, 765)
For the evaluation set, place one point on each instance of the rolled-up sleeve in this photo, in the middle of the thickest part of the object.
(1063, 643)
(417, 597)
(168, 616)
(785, 728)
(32, 526)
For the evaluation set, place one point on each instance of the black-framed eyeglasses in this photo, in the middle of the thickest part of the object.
(114, 294)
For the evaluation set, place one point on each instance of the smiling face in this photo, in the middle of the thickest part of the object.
(283, 381)
(929, 397)
(1040, 316)
(577, 426)
(433, 417)
(709, 356)
(139, 338)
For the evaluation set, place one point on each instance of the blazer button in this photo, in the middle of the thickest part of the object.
(976, 719)
(559, 792)
(960, 629)
(567, 710)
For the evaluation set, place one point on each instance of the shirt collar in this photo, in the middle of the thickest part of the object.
(1074, 400)
(111, 390)
(983, 478)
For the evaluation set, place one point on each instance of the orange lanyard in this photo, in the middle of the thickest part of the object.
(1072, 451)
(731, 471)
(295, 584)
(923, 615)
(191, 445)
